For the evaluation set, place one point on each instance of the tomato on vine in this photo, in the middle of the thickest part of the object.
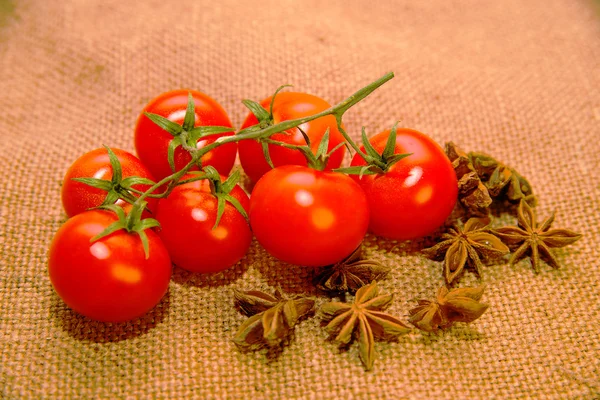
(283, 107)
(104, 186)
(177, 121)
(308, 217)
(203, 223)
(409, 182)
(116, 278)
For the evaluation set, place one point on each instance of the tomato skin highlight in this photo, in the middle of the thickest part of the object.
(109, 280)
(287, 106)
(307, 217)
(78, 197)
(416, 195)
(187, 217)
(152, 142)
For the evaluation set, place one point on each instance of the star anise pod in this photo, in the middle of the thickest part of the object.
(472, 193)
(363, 319)
(464, 245)
(533, 238)
(456, 305)
(350, 274)
(272, 318)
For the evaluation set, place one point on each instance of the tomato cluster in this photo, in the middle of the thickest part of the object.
(178, 203)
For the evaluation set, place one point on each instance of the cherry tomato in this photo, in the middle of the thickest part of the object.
(111, 279)
(187, 217)
(152, 142)
(307, 217)
(78, 197)
(416, 195)
(287, 106)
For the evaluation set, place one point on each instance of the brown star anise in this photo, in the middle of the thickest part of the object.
(456, 305)
(364, 319)
(350, 274)
(533, 239)
(462, 245)
(272, 318)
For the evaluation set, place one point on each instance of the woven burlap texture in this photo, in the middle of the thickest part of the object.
(516, 79)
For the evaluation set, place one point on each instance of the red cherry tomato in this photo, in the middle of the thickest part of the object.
(287, 106)
(111, 279)
(416, 195)
(78, 197)
(152, 142)
(187, 217)
(307, 217)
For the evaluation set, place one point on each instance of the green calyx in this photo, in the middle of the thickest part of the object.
(376, 163)
(117, 187)
(185, 135)
(131, 223)
(221, 190)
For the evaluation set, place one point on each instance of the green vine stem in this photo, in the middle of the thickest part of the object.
(257, 132)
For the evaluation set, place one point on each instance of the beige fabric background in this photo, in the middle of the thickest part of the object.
(517, 79)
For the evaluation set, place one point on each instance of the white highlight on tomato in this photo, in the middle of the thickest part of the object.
(301, 178)
(201, 143)
(199, 214)
(179, 115)
(414, 175)
(102, 172)
(100, 251)
(304, 198)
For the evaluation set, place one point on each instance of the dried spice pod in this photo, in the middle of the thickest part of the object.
(465, 245)
(272, 318)
(350, 274)
(472, 193)
(450, 306)
(365, 320)
(534, 239)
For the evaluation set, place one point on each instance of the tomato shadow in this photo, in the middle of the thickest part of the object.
(85, 329)
(222, 278)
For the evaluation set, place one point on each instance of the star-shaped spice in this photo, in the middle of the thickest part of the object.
(363, 319)
(456, 305)
(350, 274)
(272, 318)
(533, 239)
(463, 245)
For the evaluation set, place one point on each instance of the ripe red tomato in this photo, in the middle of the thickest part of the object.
(110, 279)
(78, 197)
(152, 142)
(187, 217)
(416, 195)
(307, 217)
(287, 106)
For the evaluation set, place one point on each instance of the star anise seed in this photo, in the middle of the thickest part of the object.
(463, 245)
(363, 319)
(533, 238)
(456, 305)
(350, 274)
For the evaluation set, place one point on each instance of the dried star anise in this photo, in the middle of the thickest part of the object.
(364, 319)
(533, 239)
(272, 318)
(456, 305)
(350, 274)
(462, 245)
(472, 193)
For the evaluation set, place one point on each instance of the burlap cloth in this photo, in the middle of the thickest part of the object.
(517, 79)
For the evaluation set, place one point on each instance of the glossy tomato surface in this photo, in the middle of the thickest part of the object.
(111, 279)
(287, 106)
(187, 217)
(78, 197)
(152, 142)
(307, 217)
(416, 195)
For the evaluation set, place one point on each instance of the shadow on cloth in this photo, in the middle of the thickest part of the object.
(222, 278)
(85, 329)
